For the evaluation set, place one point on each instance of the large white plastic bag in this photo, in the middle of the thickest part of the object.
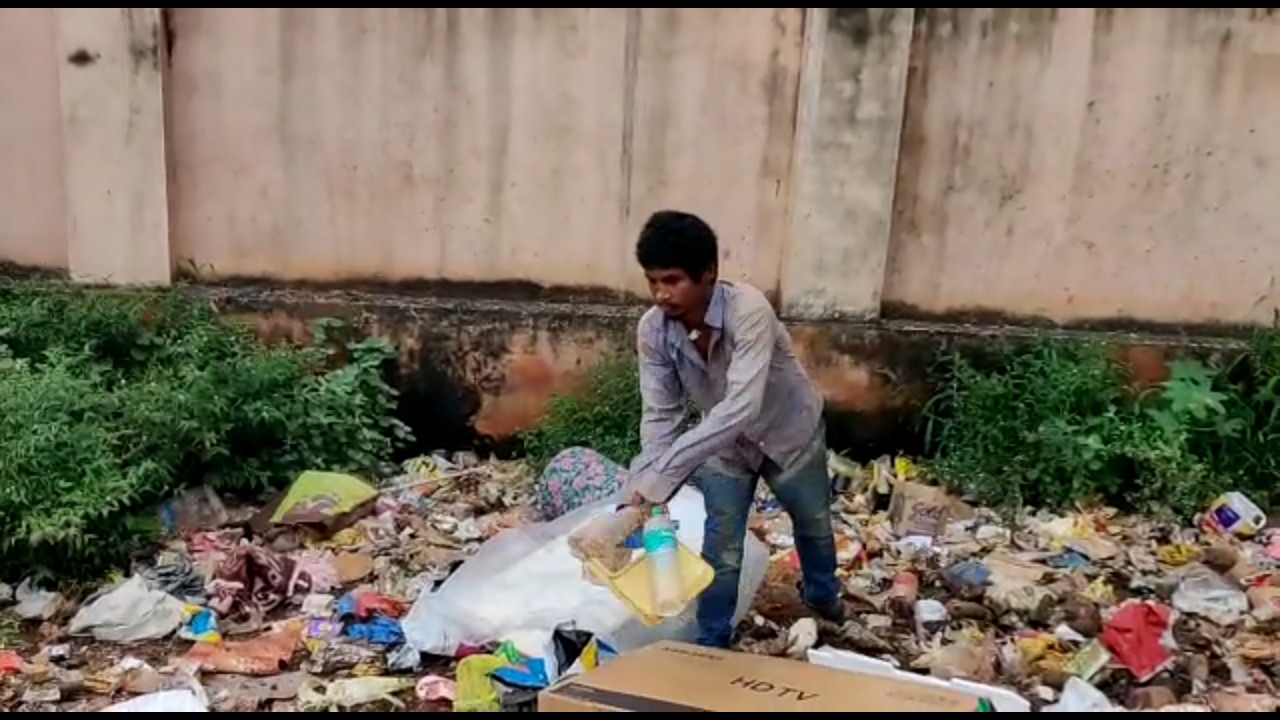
(525, 579)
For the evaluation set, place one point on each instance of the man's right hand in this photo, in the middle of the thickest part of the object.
(637, 500)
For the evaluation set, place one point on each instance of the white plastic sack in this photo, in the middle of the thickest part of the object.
(129, 613)
(525, 582)
(34, 603)
(1080, 696)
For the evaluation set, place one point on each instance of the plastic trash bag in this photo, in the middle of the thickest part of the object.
(475, 691)
(526, 579)
(36, 604)
(316, 696)
(189, 697)
(132, 612)
(1080, 696)
(1205, 593)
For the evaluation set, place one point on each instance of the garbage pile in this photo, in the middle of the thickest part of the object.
(453, 588)
(292, 607)
(1090, 612)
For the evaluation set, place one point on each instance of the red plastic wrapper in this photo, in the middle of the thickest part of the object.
(1136, 638)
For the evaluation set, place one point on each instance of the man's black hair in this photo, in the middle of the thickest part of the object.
(672, 239)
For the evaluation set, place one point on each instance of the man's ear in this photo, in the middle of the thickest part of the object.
(710, 274)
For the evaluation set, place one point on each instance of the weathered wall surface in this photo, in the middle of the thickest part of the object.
(850, 119)
(1074, 164)
(82, 149)
(485, 369)
(861, 164)
(1091, 163)
(112, 61)
(476, 144)
(32, 202)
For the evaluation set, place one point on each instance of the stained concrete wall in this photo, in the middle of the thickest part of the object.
(468, 145)
(82, 153)
(32, 201)
(860, 164)
(1090, 163)
(481, 369)
(1071, 164)
(850, 120)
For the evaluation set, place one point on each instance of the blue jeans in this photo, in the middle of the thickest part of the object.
(804, 492)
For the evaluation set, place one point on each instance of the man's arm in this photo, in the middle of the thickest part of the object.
(748, 375)
(663, 408)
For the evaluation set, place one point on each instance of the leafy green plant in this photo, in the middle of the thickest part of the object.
(1053, 423)
(1006, 436)
(112, 401)
(604, 414)
(1247, 428)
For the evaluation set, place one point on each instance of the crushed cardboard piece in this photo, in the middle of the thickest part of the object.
(1002, 699)
(917, 509)
(671, 677)
(1006, 568)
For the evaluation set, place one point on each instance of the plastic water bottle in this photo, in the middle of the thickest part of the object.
(662, 555)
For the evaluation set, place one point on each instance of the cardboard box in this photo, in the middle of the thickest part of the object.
(670, 677)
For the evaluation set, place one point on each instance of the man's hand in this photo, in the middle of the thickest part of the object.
(637, 500)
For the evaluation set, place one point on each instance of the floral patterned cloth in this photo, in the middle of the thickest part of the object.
(575, 477)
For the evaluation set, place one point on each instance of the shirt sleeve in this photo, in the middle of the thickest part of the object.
(662, 401)
(753, 329)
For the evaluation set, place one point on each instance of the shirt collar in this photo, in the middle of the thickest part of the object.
(714, 318)
(716, 308)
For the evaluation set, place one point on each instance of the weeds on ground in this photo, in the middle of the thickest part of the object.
(604, 415)
(1054, 423)
(112, 401)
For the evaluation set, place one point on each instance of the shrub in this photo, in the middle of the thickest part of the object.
(112, 401)
(1054, 423)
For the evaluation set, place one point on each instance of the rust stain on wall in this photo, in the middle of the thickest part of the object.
(1147, 365)
(534, 370)
(848, 380)
(474, 374)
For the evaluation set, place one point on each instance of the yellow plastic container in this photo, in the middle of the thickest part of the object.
(632, 583)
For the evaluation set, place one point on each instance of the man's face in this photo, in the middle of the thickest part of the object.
(677, 293)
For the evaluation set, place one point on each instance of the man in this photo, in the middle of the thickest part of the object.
(720, 347)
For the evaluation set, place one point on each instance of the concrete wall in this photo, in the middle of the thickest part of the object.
(82, 143)
(476, 144)
(1069, 164)
(1091, 163)
(861, 164)
(32, 198)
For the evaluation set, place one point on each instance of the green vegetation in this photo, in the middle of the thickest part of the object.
(113, 401)
(110, 402)
(1055, 423)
